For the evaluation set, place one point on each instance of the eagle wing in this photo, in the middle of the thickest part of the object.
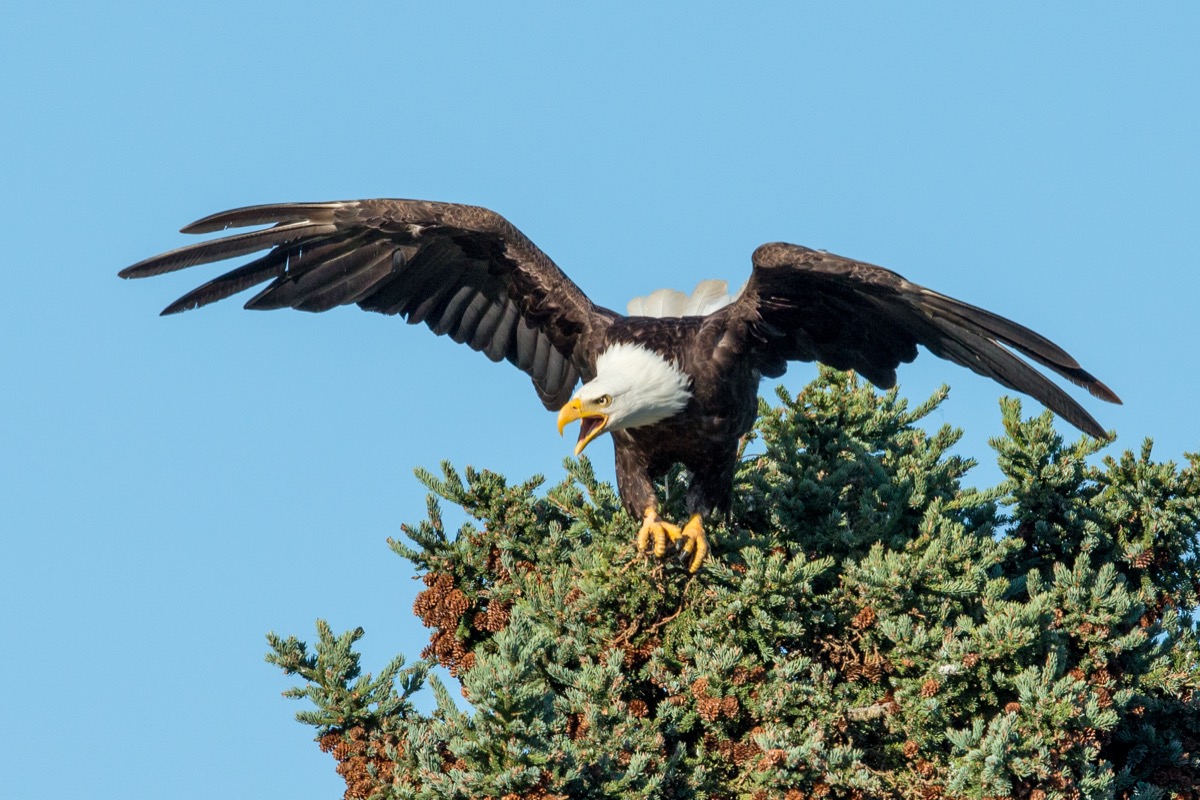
(808, 305)
(464, 271)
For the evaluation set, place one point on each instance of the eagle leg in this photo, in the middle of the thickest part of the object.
(690, 540)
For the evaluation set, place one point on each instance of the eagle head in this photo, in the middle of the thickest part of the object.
(633, 387)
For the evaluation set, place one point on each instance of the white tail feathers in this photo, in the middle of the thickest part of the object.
(706, 298)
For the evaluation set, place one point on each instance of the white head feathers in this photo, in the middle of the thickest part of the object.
(645, 387)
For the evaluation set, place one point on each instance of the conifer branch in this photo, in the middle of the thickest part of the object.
(868, 626)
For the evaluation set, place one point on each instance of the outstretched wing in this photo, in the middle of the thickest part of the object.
(807, 305)
(464, 271)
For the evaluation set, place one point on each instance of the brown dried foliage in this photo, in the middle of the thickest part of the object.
(577, 726)
(442, 607)
(539, 792)
(771, 759)
(864, 618)
(358, 751)
(634, 656)
(711, 708)
(854, 665)
(741, 676)
(729, 750)
(494, 618)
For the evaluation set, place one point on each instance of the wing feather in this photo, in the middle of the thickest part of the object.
(220, 249)
(464, 271)
(488, 325)
(978, 354)
(541, 356)
(1030, 343)
(808, 305)
(526, 345)
(268, 214)
(262, 269)
(436, 296)
(417, 273)
(452, 312)
(374, 267)
(316, 277)
(469, 320)
(500, 341)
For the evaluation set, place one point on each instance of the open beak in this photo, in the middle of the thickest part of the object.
(591, 422)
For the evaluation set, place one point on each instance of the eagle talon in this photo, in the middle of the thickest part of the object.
(653, 527)
(690, 541)
(694, 542)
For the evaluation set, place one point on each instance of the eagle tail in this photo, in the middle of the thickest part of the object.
(707, 297)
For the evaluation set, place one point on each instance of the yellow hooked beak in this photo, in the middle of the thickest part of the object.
(591, 422)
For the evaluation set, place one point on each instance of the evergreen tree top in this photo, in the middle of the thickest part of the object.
(867, 627)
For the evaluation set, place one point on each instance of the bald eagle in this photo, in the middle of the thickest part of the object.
(674, 382)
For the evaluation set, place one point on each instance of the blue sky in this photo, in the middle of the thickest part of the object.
(174, 488)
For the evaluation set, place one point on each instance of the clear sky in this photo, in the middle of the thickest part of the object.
(174, 488)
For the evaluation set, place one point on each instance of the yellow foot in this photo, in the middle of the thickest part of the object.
(694, 542)
(653, 527)
(690, 541)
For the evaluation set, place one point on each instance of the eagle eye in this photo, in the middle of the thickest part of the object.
(604, 400)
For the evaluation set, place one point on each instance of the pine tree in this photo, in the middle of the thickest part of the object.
(867, 627)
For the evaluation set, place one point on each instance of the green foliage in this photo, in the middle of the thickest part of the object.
(866, 627)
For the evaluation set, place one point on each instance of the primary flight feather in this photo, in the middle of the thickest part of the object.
(669, 389)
